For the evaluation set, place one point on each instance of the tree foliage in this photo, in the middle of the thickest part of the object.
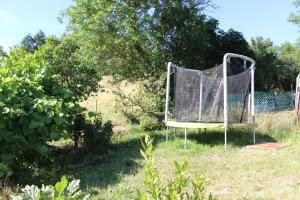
(295, 17)
(62, 57)
(290, 53)
(31, 43)
(276, 66)
(134, 39)
(130, 39)
(289, 56)
(3, 56)
(2, 52)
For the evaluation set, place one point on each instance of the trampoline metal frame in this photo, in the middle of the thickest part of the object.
(297, 98)
(224, 124)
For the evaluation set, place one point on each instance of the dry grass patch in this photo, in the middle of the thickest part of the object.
(104, 101)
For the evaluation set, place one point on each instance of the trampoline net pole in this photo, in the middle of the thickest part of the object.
(252, 70)
(167, 92)
(185, 133)
(225, 99)
(200, 97)
(167, 134)
(297, 97)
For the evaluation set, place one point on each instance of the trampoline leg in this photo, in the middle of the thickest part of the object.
(185, 132)
(225, 139)
(253, 135)
(166, 134)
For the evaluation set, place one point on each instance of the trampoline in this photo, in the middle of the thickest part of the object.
(218, 97)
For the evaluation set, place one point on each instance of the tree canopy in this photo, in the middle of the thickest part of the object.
(61, 55)
(31, 43)
(134, 39)
(2, 52)
(295, 17)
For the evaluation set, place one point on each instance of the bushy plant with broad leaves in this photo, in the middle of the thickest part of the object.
(63, 190)
(34, 109)
(180, 187)
(97, 135)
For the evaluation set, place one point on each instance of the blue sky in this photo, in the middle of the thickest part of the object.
(267, 18)
(20, 17)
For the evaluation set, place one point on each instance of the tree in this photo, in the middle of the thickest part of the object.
(289, 54)
(79, 77)
(295, 17)
(274, 71)
(134, 39)
(131, 39)
(31, 43)
(2, 52)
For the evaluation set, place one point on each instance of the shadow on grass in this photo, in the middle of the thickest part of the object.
(104, 170)
(124, 158)
(235, 137)
(99, 171)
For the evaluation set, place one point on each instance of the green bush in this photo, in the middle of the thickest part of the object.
(34, 109)
(78, 128)
(63, 190)
(180, 187)
(149, 124)
(97, 135)
(147, 103)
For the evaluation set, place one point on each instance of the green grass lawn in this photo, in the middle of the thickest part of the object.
(239, 173)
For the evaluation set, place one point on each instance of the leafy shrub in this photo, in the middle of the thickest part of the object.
(63, 190)
(97, 135)
(148, 102)
(180, 187)
(148, 124)
(34, 109)
(78, 128)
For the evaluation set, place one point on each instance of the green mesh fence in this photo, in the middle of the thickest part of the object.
(272, 102)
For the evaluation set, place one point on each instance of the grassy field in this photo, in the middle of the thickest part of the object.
(239, 173)
(104, 102)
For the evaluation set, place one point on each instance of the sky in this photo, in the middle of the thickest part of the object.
(267, 18)
(21, 17)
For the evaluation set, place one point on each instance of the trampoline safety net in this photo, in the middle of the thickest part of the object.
(198, 95)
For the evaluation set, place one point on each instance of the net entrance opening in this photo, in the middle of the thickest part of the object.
(199, 95)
